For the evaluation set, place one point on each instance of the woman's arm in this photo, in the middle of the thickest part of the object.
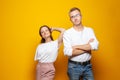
(60, 38)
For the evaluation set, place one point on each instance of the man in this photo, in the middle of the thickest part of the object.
(78, 41)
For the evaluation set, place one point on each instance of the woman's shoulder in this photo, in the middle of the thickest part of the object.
(40, 45)
(55, 41)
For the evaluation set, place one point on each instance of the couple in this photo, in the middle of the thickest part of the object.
(78, 42)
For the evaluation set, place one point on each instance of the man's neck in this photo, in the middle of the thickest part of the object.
(78, 27)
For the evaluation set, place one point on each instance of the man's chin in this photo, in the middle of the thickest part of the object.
(77, 24)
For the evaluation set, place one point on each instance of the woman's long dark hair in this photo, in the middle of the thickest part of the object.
(43, 40)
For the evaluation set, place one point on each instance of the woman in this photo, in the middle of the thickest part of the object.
(46, 52)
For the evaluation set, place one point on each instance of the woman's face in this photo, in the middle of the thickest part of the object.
(45, 32)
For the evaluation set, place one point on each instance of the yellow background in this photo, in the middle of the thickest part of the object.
(19, 25)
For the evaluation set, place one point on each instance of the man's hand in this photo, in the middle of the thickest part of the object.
(75, 47)
(91, 40)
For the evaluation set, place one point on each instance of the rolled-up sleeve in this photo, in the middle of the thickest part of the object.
(95, 43)
(67, 44)
(36, 54)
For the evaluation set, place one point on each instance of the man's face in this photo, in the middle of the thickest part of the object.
(75, 17)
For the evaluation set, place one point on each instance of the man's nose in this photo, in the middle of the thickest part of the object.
(75, 19)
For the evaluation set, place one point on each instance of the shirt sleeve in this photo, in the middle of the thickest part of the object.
(56, 41)
(67, 44)
(95, 43)
(36, 54)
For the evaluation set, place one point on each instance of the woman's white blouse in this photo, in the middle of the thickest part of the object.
(47, 52)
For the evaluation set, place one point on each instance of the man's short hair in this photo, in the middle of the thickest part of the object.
(73, 9)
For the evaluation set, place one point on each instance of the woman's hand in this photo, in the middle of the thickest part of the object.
(52, 29)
